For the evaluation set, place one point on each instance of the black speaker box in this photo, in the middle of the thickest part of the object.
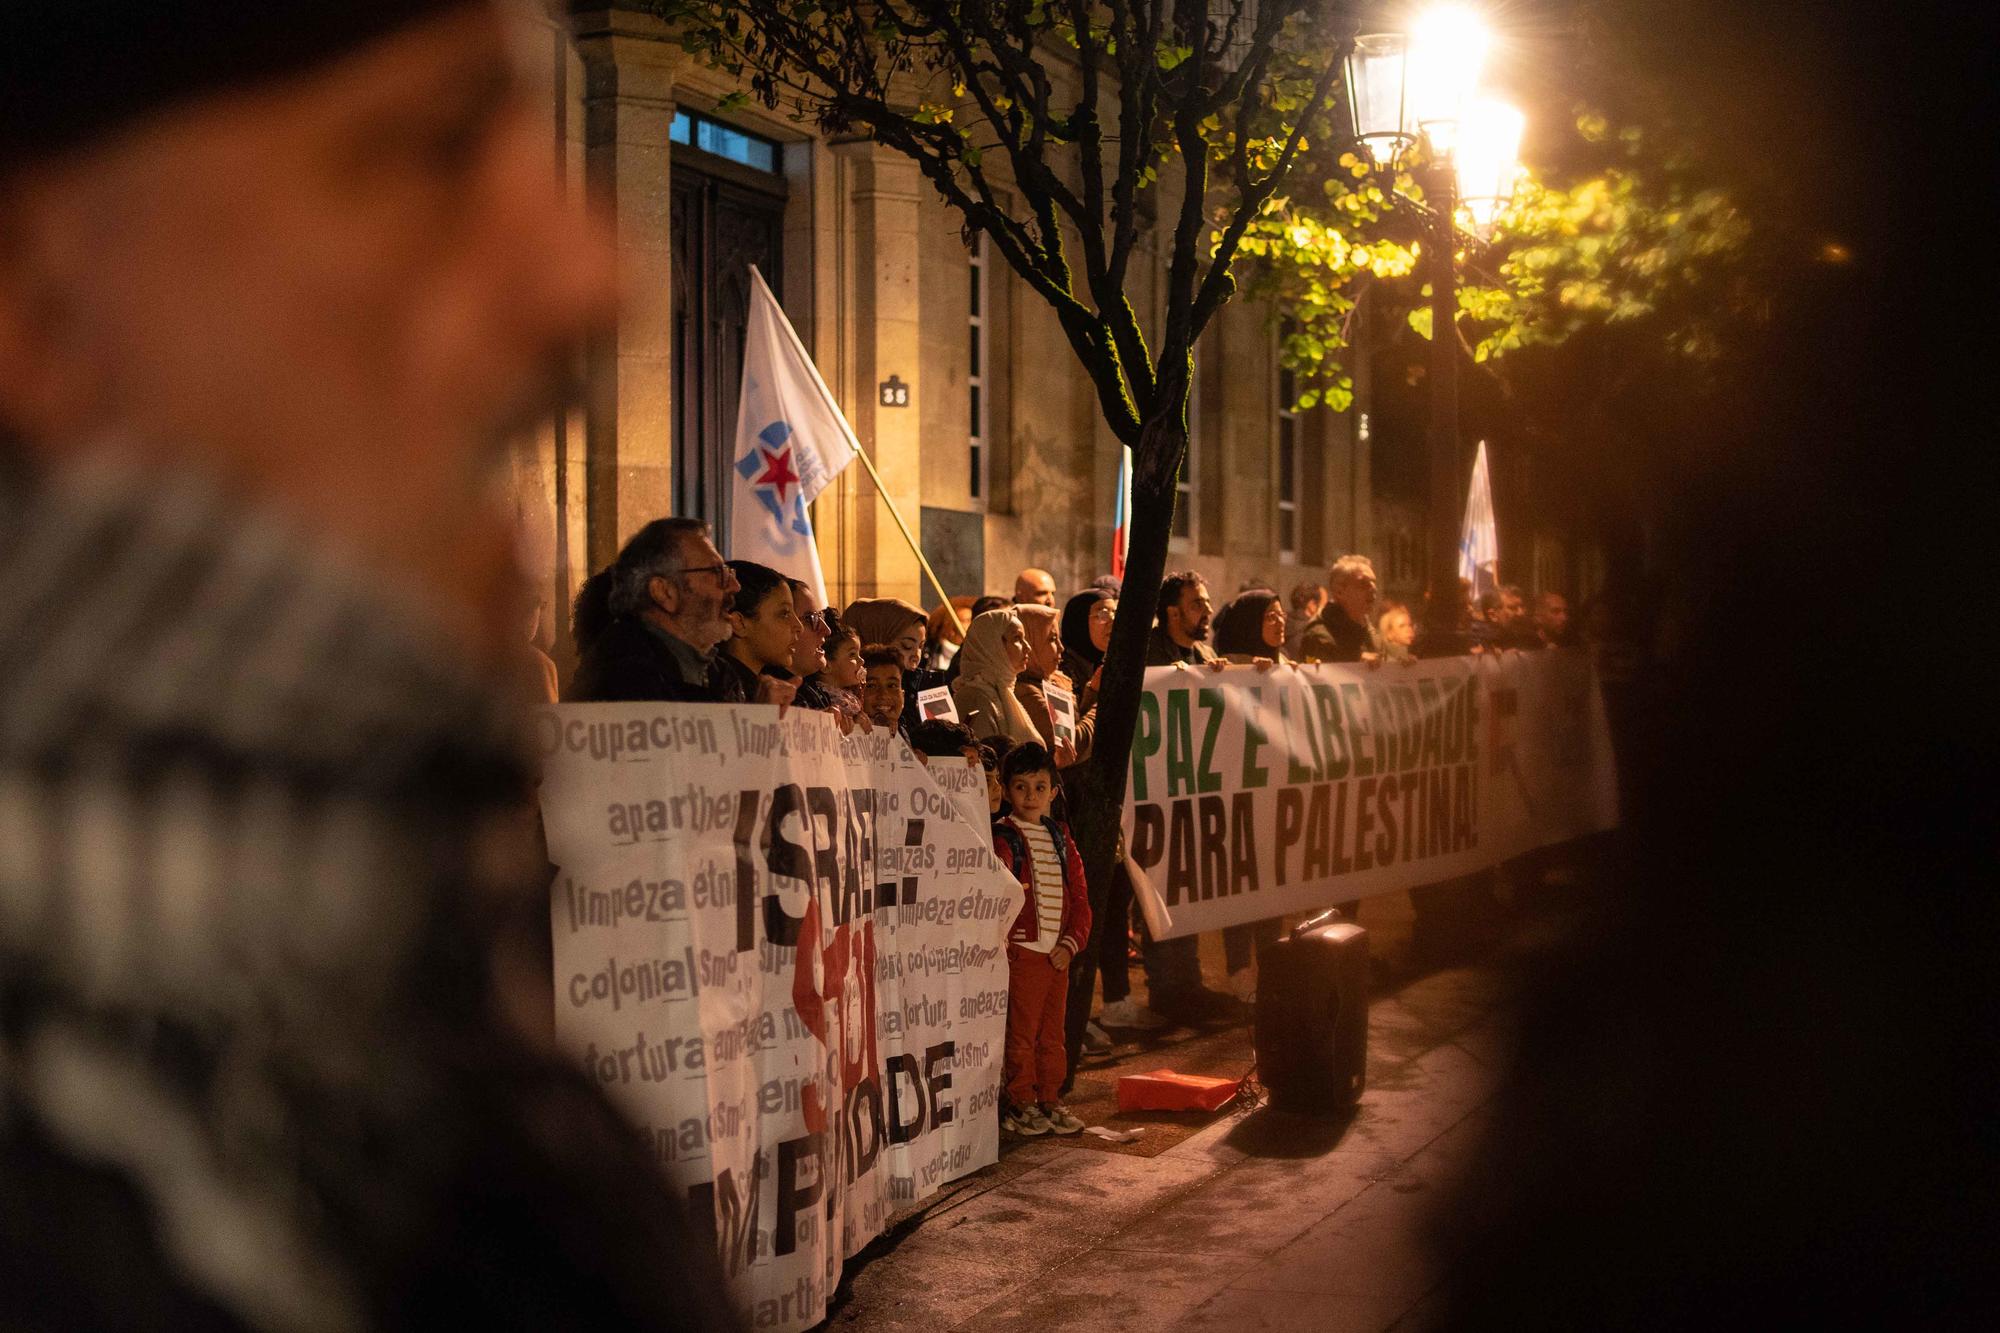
(1312, 1017)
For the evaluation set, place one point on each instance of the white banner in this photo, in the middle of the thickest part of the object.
(782, 953)
(1254, 794)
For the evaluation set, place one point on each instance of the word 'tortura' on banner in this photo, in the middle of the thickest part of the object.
(782, 953)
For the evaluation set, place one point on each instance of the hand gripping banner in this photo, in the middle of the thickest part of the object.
(1258, 793)
(782, 953)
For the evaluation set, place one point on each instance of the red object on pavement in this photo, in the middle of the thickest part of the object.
(1164, 1090)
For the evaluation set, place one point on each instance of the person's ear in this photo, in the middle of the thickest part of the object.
(663, 594)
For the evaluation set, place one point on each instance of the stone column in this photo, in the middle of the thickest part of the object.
(629, 63)
(884, 307)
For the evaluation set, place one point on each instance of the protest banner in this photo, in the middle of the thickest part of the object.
(782, 954)
(1258, 793)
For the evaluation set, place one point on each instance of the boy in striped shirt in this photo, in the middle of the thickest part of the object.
(1053, 926)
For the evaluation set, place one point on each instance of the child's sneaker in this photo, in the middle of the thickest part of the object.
(1026, 1121)
(1058, 1118)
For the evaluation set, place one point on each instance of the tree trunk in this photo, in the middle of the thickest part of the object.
(1156, 463)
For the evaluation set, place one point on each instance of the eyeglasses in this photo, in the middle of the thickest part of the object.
(717, 570)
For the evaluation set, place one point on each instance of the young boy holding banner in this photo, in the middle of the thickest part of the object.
(1053, 926)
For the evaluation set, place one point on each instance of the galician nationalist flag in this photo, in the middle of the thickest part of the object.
(791, 440)
(1121, 513)
(1479, 540)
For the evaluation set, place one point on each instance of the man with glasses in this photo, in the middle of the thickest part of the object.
(648, 626)
(1345, 631)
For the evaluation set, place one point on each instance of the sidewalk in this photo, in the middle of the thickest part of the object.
(1260, 1221)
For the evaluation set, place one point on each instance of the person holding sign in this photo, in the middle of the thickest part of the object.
(994, 655)
(1047, 694)
(1037, 849)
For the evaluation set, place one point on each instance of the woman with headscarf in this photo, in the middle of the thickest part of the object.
(898, 626)
(1086, 633)
(995, 653)
(1038, 626)
(1251, 627)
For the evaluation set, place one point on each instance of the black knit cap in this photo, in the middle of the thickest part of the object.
(74, 70)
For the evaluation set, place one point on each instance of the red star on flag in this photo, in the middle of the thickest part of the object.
(777, 472)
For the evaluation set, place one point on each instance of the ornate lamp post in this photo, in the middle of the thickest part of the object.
(1416, 90)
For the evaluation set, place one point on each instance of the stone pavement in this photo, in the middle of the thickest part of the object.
(1261, 1221)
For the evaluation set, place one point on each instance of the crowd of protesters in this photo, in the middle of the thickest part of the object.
(1013, 684)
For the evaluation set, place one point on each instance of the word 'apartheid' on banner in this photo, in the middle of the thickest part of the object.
(1257, 793)
(782, 953)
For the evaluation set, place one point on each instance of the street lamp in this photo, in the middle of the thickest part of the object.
(1448, 48)
(1417, 89)
(1488, 159)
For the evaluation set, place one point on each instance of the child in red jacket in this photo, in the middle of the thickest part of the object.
(1053, 926)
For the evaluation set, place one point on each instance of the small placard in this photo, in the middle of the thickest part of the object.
(894, 393)
(1062, 713)
(936, 703)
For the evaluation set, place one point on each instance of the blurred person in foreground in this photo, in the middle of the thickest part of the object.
(1758, 1076)
(276, 285)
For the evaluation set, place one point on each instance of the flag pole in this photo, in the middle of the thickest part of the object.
(862, 454)
(904, 528)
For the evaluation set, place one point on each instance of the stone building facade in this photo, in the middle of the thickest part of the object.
(999, 460)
